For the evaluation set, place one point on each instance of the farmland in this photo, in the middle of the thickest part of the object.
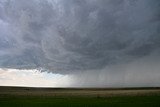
(79, 97)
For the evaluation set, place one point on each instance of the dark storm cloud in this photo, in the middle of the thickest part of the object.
(77, 35)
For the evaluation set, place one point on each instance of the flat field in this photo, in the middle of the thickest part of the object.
(79, 97)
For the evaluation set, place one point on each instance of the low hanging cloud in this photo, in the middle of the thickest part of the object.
(80, 36)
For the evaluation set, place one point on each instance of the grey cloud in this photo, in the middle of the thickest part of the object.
(143, 72)
(77, 35)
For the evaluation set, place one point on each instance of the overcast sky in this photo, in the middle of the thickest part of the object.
(87, 43)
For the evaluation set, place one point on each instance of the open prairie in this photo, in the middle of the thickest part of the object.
(73, 97)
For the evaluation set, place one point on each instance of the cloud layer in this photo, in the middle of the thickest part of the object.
(66, 36)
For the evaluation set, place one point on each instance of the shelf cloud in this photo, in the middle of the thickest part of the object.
(81, 37)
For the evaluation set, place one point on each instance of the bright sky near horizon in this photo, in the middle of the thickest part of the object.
(32, 78)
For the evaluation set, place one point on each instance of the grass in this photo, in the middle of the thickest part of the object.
(121, 101)
(11, 98)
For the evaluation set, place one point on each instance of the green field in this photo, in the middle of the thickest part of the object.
(46, 97)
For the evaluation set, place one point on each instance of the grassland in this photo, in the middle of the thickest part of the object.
(79, 97)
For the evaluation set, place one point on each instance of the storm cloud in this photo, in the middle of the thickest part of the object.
(80, 36)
